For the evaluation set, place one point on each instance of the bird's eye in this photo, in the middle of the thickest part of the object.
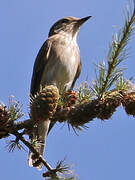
(64, 20)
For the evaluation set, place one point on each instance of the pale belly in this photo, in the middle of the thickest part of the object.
(61, 71)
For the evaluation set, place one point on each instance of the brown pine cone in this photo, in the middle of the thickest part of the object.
(44, 104)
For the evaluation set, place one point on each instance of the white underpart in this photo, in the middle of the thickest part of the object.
(63, 64)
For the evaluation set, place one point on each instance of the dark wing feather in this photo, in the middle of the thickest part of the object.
(77, 73)
(40, 63)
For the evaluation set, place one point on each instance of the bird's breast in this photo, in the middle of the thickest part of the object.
(62, 65)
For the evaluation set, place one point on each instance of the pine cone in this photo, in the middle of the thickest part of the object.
(71, 98)
(102, 109)
(4, 121)
(107, 107)
(44, 104)
(129, 104)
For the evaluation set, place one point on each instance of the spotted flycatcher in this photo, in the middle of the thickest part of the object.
(58, 63)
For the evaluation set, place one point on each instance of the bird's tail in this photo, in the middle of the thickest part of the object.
(40, 135)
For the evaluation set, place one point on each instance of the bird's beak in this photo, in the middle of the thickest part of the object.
(83, 20)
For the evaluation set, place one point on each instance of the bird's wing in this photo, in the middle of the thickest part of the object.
(40, 63)
(41, 130)
(77, 73)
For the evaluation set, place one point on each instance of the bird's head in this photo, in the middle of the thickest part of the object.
(68, 25)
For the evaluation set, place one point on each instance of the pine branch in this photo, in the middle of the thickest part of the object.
(31, 148)
(78, 115)
(117, 53)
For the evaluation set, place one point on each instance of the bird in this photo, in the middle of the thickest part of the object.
(58, 63)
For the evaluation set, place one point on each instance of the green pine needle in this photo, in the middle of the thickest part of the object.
(13, 144)
(109, 74)
(15, 109)
(84, 92)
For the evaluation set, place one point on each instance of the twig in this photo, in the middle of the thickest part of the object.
(80, 114)
(121, 45)
(32, 149)
(26, 124)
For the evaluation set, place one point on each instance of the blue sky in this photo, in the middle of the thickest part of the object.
(104, 151)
